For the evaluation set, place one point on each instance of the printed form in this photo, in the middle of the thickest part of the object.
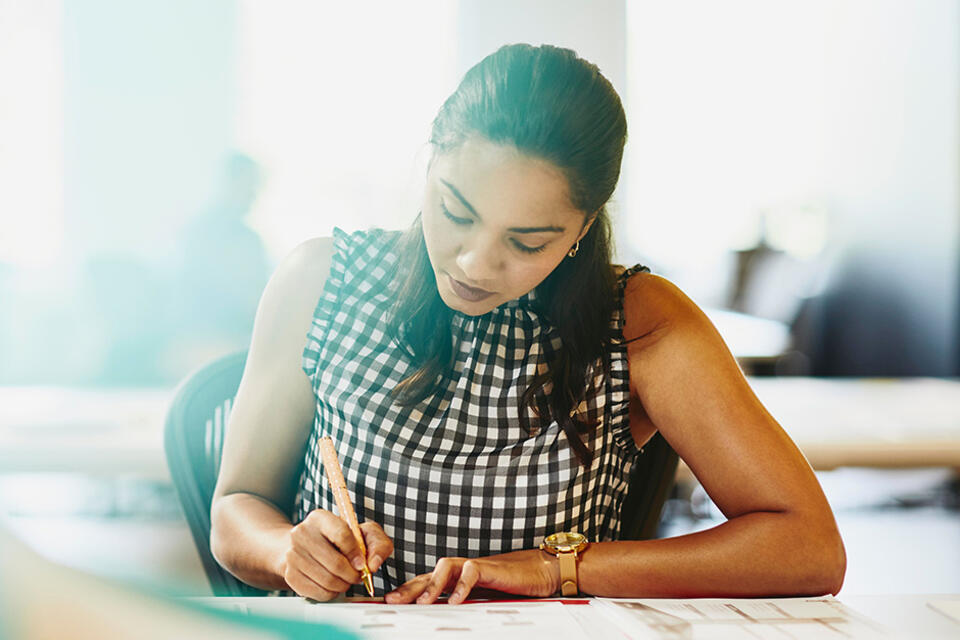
(504, 621)
(823, 618)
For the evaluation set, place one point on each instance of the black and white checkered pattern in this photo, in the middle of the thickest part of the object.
(455, 475)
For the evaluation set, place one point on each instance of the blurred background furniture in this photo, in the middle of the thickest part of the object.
(866, 422)
(193, 440)
(90, 487)
(884, 422)
(651, 483)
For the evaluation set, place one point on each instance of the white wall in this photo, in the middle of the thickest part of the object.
(336, 100)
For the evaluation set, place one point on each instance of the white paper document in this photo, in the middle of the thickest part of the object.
(822, 618)
(502, 621)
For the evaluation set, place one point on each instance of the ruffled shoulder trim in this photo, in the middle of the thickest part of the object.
(353, 255)
(619, 369)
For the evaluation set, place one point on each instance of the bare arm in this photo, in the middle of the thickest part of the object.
(251, 535)
(780, 537)
(269, 425)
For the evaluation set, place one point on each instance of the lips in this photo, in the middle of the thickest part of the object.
(471, 294)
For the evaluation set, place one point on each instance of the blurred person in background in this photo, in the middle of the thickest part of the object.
(223, 268)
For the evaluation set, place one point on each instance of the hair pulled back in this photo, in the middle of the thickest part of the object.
(551, 104)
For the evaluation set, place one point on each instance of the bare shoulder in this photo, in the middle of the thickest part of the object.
(288, 302)
(308, 263)
(670, 338)
(274, 391)
(298, 280)
(654, 306)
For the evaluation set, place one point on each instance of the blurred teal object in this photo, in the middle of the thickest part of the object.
(193, 441)
(39, 599)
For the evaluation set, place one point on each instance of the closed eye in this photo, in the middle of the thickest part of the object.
(452, 217)
(527, 249)
(465, 221)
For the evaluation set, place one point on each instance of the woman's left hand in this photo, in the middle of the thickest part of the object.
(530, 572)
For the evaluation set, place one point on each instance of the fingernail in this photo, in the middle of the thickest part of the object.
(375, 563)
(358, 563)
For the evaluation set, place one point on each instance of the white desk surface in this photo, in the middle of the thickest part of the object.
(906, 616)
(836, 422)
(909, 616)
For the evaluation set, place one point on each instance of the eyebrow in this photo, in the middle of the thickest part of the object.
(460, 197)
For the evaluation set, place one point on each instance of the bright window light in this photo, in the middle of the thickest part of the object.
(31, 132)
(335, 100)
(727, 112)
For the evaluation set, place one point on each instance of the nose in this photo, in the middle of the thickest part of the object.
(479, 260)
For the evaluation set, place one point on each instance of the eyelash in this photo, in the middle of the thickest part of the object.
(461, 221)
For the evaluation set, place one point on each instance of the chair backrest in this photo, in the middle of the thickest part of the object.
(651, 480)
(193, 440)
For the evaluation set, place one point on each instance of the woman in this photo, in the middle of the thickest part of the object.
(489, 378)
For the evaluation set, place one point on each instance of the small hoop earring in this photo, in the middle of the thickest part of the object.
(573, 251)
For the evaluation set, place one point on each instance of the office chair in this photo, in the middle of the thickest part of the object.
(193, 441)
(651, 480)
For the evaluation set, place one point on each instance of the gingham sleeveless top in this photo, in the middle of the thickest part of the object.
(456, 474)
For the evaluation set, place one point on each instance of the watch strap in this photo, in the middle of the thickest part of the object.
(568, 573)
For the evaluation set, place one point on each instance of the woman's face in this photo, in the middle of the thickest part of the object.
(496, 222)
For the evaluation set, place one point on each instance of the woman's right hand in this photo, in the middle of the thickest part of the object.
(324, 559)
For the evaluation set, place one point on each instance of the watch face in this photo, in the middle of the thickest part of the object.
(565, 541)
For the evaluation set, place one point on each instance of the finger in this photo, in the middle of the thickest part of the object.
(312, 542)
(304, 586)
(469, 576)
(379, 544)
(442, 573)
(339, 534)
(317, 572)
(409, 590)
(334, 561)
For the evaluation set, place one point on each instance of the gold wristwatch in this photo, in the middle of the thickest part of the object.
(566, 546)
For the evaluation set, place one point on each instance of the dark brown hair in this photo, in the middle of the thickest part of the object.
(551, 104)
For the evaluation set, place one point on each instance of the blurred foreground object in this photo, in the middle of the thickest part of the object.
(40, 599)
